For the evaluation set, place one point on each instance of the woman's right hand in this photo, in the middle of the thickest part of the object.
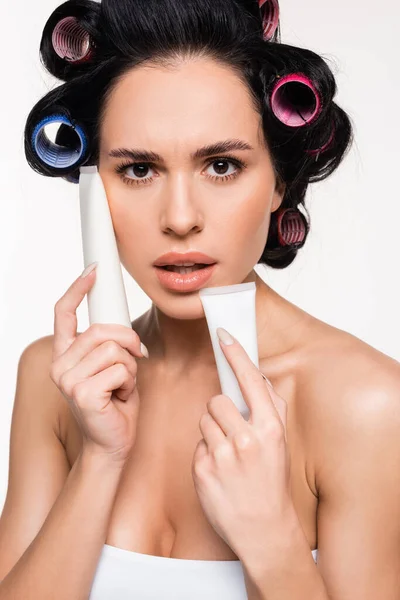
(96, 373)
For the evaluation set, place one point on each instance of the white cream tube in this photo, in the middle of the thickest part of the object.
(107, 300)
(232, 307)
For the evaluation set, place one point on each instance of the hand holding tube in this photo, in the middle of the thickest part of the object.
(96, 373)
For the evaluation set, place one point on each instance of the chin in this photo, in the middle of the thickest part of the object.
(183, 307)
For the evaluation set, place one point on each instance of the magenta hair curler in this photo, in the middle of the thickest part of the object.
(291, 227)
(295, 101)
(270, 17)
(71, 41)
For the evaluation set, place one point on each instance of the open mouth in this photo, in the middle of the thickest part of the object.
(183, 270)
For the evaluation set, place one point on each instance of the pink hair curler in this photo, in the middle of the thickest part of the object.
(295, 101)
(71, 41)
(291, 227)
(270, 17)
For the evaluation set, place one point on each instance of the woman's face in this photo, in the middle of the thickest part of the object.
(178, 203)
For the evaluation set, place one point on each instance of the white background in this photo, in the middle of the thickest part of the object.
(347, 273)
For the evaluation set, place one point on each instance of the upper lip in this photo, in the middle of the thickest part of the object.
(177, 258)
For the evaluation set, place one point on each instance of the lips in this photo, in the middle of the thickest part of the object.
(183, 268)
(178, 258)
(185, 282)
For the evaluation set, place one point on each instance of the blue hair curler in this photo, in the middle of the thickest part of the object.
(54, 155)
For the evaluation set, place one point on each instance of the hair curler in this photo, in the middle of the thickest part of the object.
(52, 154)
(232, 307)
(291, 226)
(71, 41)
(295, 101)
(107, 301)
(270, 17)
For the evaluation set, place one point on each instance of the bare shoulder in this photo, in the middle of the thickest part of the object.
(342, 363)
(349, 394)
(38, 466)
(36, 359)
(347, 391)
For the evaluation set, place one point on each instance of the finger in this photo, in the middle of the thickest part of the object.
(102, 357)
(201, 450)
(250, 382)
(115, 381)
(96, 335)
(226, 414)
(65, 321)
(211, 431)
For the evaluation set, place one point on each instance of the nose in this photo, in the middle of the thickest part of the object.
(181, 214)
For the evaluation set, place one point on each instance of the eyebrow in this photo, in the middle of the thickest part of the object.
(138, 154)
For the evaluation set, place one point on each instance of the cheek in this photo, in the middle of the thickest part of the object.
(247, 228)
(133, 236)
(129, 224)
(132, 232)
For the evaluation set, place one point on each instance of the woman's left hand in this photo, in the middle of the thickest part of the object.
(241, 469)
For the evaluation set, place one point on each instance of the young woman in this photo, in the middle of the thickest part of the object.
(147, 482)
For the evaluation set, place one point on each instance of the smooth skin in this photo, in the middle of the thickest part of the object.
(342, 395)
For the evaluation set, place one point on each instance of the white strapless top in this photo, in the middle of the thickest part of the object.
(125, 575)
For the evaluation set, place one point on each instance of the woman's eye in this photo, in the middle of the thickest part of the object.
(220, 167)
(139, 171)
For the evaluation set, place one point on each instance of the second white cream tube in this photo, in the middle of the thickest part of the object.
(232, 307)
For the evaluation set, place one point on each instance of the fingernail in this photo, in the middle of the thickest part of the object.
(144, 350)
(224, 336)
(89, 269)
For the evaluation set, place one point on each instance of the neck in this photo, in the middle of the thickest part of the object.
(174, 344)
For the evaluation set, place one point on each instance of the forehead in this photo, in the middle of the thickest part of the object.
(194, 100)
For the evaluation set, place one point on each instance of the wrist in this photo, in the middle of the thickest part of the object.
(275, 542)
(97, 459)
